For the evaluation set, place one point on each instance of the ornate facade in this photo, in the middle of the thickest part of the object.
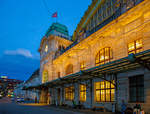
(106, 61)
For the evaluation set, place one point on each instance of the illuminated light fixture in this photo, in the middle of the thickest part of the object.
(4, 77)
(46, 48)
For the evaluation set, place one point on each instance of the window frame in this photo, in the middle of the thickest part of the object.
(136, 86)
(135, 47)
(104, 90)
(69, 93)
(83, 99)
(103, 50)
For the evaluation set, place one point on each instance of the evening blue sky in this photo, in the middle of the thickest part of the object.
(22, 25)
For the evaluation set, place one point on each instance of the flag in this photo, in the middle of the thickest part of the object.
(54, 14)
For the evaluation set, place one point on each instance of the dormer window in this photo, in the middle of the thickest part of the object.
(46, 48)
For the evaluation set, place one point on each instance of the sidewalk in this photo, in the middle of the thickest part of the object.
(83, 111)
(59, 108)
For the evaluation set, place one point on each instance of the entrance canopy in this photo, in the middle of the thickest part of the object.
(131, 62)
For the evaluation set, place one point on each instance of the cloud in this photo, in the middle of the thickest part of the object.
(18, 66)
(23, 52)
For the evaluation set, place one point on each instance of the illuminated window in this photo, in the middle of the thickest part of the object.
(83, 93)
(69, 93)
(82, 66)
(46, 48)
(45, 76)
(135, 47)
(136, 89)
(104, 91)
(103, 56)
(69, 69)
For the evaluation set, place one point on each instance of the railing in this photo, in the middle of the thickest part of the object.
(116, 14)
(63, 51)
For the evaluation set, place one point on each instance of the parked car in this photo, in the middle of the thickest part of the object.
(20, 99)
(1, 96)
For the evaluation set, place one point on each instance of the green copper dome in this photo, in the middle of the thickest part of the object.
(57, 28)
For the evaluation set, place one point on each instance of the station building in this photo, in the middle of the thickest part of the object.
(105, 62)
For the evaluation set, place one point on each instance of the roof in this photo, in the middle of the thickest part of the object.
(87, 15)
(57, 27)
(92, 10)
(34, 75)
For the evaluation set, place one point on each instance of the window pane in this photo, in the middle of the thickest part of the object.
(139, 43)
(69, 93)
(107, 84)
(102, 95)
(135, 46)
(107, 53)
(104, 92)
(132, 52)
(103, 56)
(140, 93)
(131, 46)
(82, 92)
(138, 50)
(112, 94)
(97, 95)
(102, 85)
(97, 85)
(112, 84)
(136, 88)
(108, 95)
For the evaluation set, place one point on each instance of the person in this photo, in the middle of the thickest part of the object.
(35, 99)
(73, 104)
(123, 107)
(137, 109)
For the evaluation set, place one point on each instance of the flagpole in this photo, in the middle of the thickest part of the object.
(56, 19)
(55, 16)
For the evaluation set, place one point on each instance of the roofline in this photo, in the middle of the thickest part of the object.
(87, 15)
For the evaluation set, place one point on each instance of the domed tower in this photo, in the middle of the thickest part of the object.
(53, 44)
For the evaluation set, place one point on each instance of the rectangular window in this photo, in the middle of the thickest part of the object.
(83, 93)
(82, 66)
(135, 47)
(69, 93)
(104, 91)
(136, 89)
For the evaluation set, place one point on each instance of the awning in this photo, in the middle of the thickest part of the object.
(114, 67)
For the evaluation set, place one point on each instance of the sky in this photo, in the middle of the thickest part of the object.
(23, 23)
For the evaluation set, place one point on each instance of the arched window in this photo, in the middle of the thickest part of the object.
(45, 76)
(69, 69)
(103, 56)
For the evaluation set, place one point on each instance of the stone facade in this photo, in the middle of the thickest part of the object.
(117, 35)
